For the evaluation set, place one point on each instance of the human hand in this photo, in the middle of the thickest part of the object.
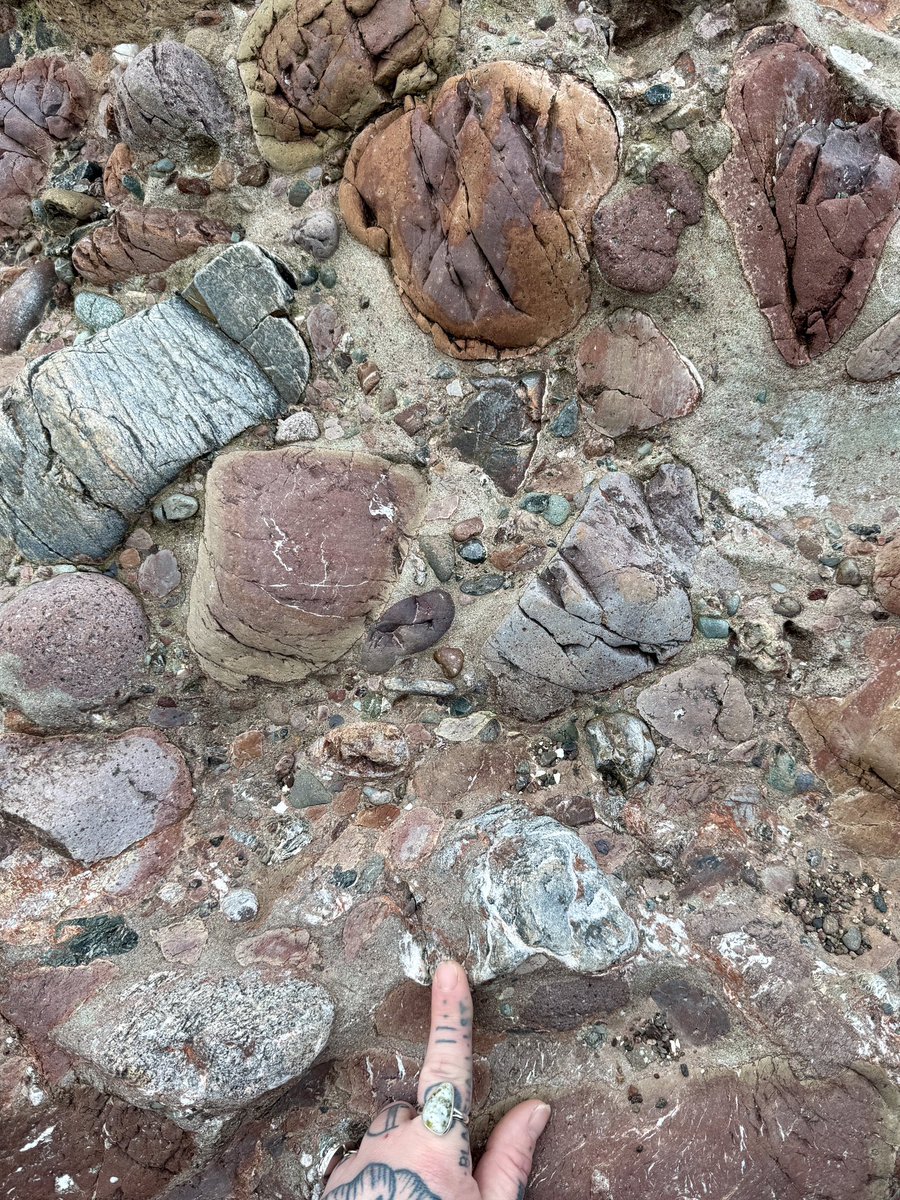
(401, 1159)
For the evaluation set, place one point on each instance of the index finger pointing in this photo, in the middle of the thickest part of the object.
(448, 1058)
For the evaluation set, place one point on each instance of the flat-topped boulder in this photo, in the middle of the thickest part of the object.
(299, 548)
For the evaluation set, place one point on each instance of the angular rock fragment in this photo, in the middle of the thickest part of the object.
(88, 435)
(199, 1046)
(248, 293)
(482, 198)
(22, 304)
(70, 645)
(299, 547)
(364, 750)
(622, 748)
(315, 74)
(855, 741)
(498, 430)
(636, 237)
(144, 241)
(91, 797)
(633, 376)
(886, 576)
(701, 707)
(878, 357)
(810, 189)
(509, 885)
(610, 605)
(410, 626)
(119, 164)
(43, 102)
(168, 99)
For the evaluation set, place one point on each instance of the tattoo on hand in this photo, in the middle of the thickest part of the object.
(386, 1121)
(378, 1181)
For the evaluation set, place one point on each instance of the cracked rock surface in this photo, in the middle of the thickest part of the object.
(482, 198)
(315, 74)
(141, 241)
(88, 436)
(43, 101)
(633, 376)
(286, 577)
(810, 190)
(168, 97)
(611, 605)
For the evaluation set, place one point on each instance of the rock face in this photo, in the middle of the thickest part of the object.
(93, 798)
(855, 741)
(70, 645)
(168, 98)
(316, 74)
(408, 627)
(878, 357)
(498, 430)
(886, 576)
(248, 292)
(43, 102)
(142, 241)
(703, 706)
(633, 376)
(110, 22)
(610, 605)
(195, 1046)
(636, 237)
(499, 264)
(522, 885)
(286, 579)
(117, 419)
(23, 304)
(810, 189)
(839, 1145)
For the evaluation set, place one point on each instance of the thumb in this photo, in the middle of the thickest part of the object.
(505, 1165)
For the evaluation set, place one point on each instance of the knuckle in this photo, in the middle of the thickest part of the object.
(446, 1066)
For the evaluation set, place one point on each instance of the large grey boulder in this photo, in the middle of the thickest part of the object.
(509, 885)
(199, 1047)
(610, 605)
(88, 435)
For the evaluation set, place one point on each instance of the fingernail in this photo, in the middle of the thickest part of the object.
(446, 977)
(537, 1122)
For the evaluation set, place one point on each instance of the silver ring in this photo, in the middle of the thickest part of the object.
(439, 1111)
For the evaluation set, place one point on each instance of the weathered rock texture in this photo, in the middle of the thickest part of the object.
(43, 103)
(299, 548)
(144, 1042)
(168, 98)
(855, 741)
(482, 198)
(70, 645)
(498, 430)
(89, 435)
(142, 241)
(636, 237)
(878, 357)
(701, 707)
(410, 626)
(248, 293)
(611, 604)
(810, 189)
(109, 22)
(886, 576)
(23, 304)
(91, 797)
(316, 73)
(633, 376)
(522, 885)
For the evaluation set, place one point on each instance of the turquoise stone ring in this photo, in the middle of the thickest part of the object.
(439, 1111)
